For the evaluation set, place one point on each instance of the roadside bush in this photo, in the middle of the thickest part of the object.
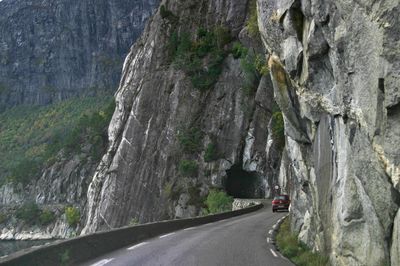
(295, 250)
(218, 201)
(73, 216)
(188, 168)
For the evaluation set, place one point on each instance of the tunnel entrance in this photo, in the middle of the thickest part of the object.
(243, 184)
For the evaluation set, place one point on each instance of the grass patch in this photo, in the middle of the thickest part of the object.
(295, 250)
(218, 201)
(32, 136)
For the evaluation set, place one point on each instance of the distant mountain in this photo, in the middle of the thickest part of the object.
(54, 49)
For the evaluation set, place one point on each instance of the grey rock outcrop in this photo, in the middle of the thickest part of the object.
(54, 49)
(335, 69)
(139, 175)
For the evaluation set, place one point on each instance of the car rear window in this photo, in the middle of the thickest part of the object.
(281, 198)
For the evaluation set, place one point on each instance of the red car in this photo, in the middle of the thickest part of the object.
(280, 202)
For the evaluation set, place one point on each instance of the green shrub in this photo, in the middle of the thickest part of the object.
(188, 168)
(28, 212)
(73, 216)
(295, 250)
(190, 139)
(211, 153)
(46, 217)
(218, 201)
(252, 23)
(238, 50)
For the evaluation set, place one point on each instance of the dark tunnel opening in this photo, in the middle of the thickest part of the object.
(243, 184)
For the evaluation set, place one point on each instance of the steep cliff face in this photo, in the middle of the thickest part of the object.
(335, 70)
(54, 49)
(171, 142)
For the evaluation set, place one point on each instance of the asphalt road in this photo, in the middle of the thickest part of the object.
(239, 241)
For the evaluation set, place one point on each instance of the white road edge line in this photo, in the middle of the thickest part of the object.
(167, 235)
(273, 253)
(138, 245)
(102, 262)
(190, 228)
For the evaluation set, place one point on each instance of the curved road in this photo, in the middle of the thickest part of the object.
(239, 241)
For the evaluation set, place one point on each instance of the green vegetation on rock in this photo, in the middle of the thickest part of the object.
(295, 250)
(3, 218)
(238, 50)
(188, 167)
(278, 129)
(254, 67)
(201, 59)
(252, 22)
(190, 139)
(73, 216)
(46, 217)
(29, 213)
(167, 14)
(32, 136)
(211, 153)
(218, 201)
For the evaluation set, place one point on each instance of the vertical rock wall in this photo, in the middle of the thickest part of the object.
(335, 69)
